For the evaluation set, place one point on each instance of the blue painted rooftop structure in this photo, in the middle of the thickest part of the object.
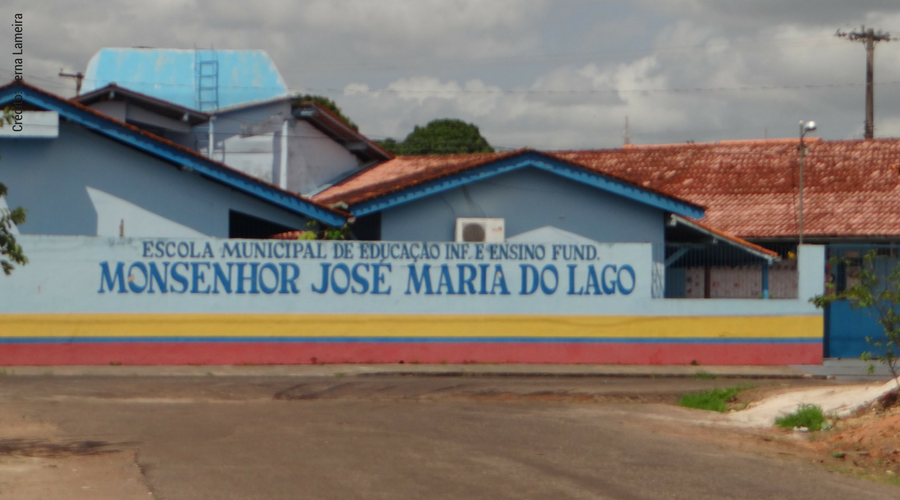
(200, 79)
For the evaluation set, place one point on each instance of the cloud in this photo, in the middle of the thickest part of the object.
(724, 88)
(528, 72)
(551, 113)
(753, 15)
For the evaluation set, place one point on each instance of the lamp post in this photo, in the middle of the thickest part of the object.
(804, 128)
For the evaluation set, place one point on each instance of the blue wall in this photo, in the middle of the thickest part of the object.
(49, 177)
(527, 199)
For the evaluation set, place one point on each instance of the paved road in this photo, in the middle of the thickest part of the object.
(410, 438)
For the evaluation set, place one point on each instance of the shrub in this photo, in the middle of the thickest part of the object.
(809, 416)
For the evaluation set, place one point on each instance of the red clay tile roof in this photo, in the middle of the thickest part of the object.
(403, 172)
(749, 188)
(408, 171)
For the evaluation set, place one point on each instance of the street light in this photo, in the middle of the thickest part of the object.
(804, 128)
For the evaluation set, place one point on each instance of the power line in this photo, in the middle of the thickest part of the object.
(538, 92)
(611, 90)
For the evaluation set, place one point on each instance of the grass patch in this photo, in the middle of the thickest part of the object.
(712, 400)
(704, 375)
(809, 416)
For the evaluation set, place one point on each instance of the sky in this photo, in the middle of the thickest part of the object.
(552, 75)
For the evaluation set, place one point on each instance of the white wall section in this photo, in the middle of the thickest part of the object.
(117, 217)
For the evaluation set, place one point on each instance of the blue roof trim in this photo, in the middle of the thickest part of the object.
(190, 161)
(535, 160)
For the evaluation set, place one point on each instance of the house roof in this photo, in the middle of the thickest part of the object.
(252, 104)
(164, 108)
(401, 172)
(185, 158)
(750, 188)
(326, 122)
(716, 234)
(339, 131)
(404, 179)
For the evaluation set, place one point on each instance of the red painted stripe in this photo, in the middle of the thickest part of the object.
(262, 353)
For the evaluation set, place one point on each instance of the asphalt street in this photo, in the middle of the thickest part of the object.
(391, 437)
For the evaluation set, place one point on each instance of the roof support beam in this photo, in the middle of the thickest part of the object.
(677, 255)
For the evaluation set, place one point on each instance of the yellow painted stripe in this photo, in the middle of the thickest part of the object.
(365, 325)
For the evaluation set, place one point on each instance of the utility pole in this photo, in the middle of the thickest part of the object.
(868, 37)
(78, 78)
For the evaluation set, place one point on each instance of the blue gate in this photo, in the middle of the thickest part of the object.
(846, 328)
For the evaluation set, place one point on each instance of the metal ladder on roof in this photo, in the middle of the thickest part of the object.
(207, 66)
(207, 97)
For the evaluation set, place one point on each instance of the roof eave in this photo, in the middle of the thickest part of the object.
(768, 255)
(339, 131)
(175, 111)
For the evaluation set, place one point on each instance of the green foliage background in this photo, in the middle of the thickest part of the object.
(10, 252)
(440, 137)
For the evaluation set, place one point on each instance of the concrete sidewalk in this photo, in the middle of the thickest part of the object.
(848, 369)
(472, 370)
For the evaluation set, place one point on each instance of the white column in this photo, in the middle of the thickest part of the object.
(282, 173)
(212, 137)
(810, 271)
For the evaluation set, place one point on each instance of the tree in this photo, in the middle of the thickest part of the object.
(440, 137)
(10, 251)
(317, 231)
(327, 104)
(881, 296)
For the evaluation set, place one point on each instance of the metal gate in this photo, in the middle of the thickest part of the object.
(846, 328)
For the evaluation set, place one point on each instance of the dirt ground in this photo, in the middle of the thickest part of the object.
(865, 445)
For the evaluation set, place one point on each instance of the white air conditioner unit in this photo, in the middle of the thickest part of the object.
(481, 229)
